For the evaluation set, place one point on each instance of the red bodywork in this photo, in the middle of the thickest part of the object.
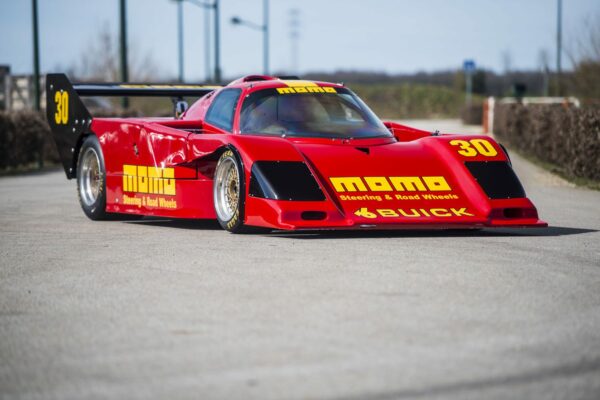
(430, 185)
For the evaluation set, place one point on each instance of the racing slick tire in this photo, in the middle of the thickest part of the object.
(228, 187)
(91, 182)
(229, 190)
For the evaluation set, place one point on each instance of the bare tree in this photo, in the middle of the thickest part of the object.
(544, 66)
(584, 54)
(100, 62)
(506, 61)
(506, 58)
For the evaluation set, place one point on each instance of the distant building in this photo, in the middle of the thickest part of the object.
(17, 91)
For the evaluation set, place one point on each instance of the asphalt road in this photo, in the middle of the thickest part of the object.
(181, 309)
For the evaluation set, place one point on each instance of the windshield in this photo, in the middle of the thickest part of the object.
(334, 113)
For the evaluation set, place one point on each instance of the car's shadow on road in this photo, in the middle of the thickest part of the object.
(497, 232)
(213, 225)
(32, 172)
(192, 224)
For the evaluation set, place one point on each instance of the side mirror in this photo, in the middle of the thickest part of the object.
(181, 106)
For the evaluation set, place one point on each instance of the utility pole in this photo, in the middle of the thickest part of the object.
(266, 37)
(294, 35)
(559, 47)
(217, 44)
(543, 61)
(207, 6)
(265, 30)
(207, 44)
(123, 47)
(469, 70)
(180, 38)
(36, 56)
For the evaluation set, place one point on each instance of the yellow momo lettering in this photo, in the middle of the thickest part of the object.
(352, 184)
(390, 184)
(306, 89)
(153, 180)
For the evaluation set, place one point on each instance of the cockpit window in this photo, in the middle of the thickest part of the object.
(222, 109)
(335, 113)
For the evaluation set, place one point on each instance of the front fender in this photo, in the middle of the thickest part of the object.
(250, 148)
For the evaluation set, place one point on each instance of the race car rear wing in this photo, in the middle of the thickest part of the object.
(70, 120)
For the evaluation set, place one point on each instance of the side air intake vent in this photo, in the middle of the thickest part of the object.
(284, 180)
(496, 178)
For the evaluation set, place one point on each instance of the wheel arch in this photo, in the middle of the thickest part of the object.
(72, 172)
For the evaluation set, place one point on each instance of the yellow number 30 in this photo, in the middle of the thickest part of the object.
(474, 147)
(61, 116)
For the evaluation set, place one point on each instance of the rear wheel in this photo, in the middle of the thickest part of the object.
(91, 182)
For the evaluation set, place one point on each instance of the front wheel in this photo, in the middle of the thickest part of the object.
(228, 192)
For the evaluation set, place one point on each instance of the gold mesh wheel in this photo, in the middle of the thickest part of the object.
(227, 187)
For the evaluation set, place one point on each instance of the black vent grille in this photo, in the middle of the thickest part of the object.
(284, 180)
(497, 179)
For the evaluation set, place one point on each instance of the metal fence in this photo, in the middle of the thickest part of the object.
(17, 91)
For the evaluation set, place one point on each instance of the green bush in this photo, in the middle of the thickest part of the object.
(25, 140)
(568, 137)
(473, 114)
(401, 101)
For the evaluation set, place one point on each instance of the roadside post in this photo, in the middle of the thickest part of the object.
(469, 69)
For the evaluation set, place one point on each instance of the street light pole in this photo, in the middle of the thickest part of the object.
(559, 46)
(207, 43)
(264, 28)
(36, 56)
(266, 36)
(123, 43)
(217, 43)
(206, 5)
(180, 38)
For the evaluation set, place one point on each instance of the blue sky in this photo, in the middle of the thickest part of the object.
(378, 35)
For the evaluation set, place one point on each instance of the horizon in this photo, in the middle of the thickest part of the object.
(436, 35)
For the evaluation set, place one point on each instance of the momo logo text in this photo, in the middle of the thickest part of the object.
(153, 180)
(390, 184)
(306, 89)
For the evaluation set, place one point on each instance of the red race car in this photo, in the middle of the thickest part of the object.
(279, 153)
